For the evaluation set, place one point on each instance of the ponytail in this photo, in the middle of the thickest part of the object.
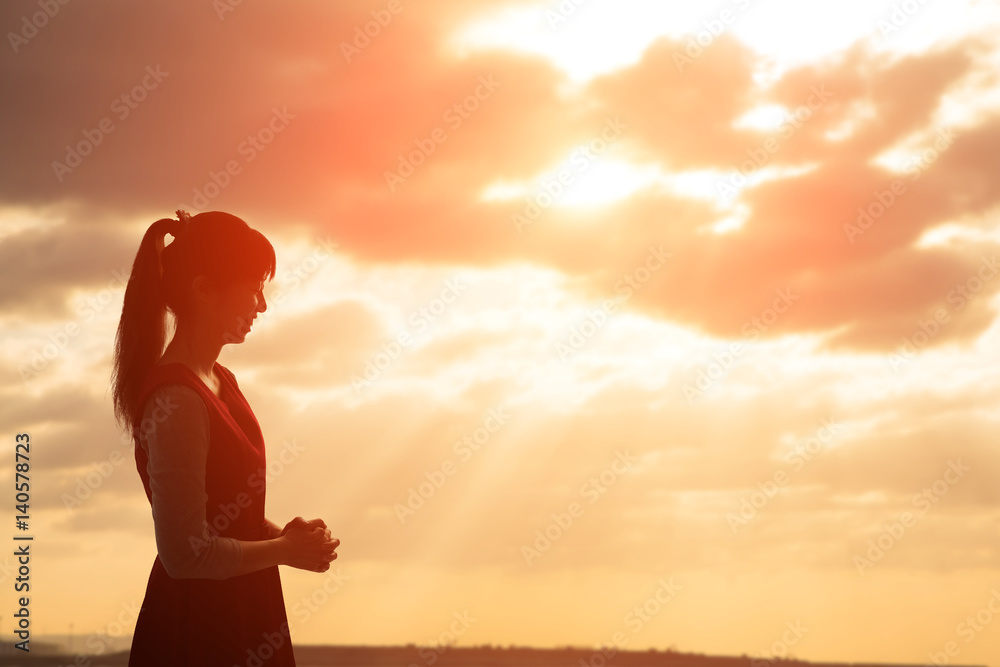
(140, 338)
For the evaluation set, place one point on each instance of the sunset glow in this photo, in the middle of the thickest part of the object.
(721, 276)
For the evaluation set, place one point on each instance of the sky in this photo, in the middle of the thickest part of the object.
(636, 324)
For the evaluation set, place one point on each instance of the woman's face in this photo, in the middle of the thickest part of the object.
(238, 306)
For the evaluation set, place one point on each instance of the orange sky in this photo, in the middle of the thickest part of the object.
(660, 323)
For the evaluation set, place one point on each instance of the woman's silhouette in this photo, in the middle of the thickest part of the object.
(214, 593)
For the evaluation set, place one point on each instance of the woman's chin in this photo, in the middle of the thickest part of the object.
(234, 337)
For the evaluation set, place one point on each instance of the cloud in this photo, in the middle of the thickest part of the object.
(349, 119)
(322, 347)
(43, 267)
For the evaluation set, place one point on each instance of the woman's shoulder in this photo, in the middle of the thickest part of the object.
(173, 410)
(172, 398)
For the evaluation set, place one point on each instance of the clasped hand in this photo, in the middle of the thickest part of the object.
(310, 545)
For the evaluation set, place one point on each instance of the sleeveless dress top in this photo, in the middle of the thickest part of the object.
(215, 622)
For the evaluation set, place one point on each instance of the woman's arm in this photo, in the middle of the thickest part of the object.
(178, 450)
(260, 554)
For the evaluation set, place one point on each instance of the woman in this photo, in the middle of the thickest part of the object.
(214, 593)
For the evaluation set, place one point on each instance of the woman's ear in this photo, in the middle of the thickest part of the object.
(204, 291)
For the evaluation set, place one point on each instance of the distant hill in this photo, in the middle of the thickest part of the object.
(486, 656)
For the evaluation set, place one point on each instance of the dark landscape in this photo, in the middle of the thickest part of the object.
(414, 656)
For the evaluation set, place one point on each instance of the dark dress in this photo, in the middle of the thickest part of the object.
(216, 622)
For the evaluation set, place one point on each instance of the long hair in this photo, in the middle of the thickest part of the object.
(214, 244)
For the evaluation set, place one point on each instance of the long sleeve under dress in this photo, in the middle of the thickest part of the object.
(204, 499)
